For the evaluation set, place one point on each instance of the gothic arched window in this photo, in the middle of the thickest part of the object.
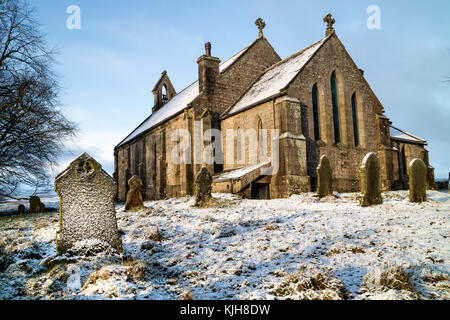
(316, 115)
(355, 119)
(335, 101)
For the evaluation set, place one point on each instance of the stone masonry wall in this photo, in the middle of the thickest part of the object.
(344, 157)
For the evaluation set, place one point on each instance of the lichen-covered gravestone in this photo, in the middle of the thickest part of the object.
(36, 206)
(86, 194)
(203, 187)
(417, 181)
(134, 195)
(324, 178)
(370, 180)
(21, 209)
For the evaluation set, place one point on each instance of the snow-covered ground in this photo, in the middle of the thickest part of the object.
(296, 248)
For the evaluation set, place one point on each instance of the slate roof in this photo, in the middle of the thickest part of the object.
(275, 79)
(178, 103)
(406, 137)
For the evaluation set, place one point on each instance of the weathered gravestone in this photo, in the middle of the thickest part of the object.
(370, 180)
(21, 209)
(417, 172)
(86, 194)
(36, 206)
(324, 178)
(203, 187)
(134, 195)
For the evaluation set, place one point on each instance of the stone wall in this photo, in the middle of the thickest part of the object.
(344, 157)
(162, 178)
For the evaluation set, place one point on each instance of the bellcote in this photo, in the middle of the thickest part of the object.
(163, 91)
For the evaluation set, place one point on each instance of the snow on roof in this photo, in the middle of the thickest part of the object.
(178, 103)
(405, 136)
(175, 105)
(227, 63)
(238, 173)
(276, 78)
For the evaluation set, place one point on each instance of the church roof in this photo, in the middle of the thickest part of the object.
(404, 136)
(178, 103)
(275, 78)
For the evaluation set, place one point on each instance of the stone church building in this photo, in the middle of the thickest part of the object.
(317, 101)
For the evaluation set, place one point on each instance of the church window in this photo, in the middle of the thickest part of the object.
(335, 101)
(315, 101)
(239, 144)
(355, 119)
(261, 142)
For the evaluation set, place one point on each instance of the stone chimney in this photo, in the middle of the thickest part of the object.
(208, 71)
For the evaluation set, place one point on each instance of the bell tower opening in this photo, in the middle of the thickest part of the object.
(163, 91)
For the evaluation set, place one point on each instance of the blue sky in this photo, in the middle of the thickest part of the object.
(110, 65)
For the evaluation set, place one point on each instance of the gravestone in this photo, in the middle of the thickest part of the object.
(324, 178)
(203, 187)
(134, 195)
(86, 201)
(370, 181)
(21, 209)
(36, 206)
(417, 181)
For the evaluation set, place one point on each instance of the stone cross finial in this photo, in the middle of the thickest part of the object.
(329, 21)
(261, 25)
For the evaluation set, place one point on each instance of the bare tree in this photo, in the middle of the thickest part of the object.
(32, 126)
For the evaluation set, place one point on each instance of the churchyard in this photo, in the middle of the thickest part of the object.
(368, 245)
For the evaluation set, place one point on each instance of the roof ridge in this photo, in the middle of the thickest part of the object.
(323, 40)
(407, 133)
(294, 55)
(164, 107)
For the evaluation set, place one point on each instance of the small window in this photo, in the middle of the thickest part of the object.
(316, 114)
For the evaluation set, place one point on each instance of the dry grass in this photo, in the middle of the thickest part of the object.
(137, 270)
(218, 203)
(154, 234)
(187, 295)
(391, 278)
(435, 277)
(310, 284)
(270, 227)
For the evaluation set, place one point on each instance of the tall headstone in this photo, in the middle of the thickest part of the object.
(324, 178)
(21, 209)
(36, 206)
(417, 181)
(134, 195)
(203, 187)
(87, 211)
(370, 180)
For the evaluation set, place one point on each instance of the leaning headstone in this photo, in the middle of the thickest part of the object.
(324, 178)
(417, 172)
(370, 181)
(36, 206)
(134, 195)
(203, 187)
(21, 209)
(87, 211)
